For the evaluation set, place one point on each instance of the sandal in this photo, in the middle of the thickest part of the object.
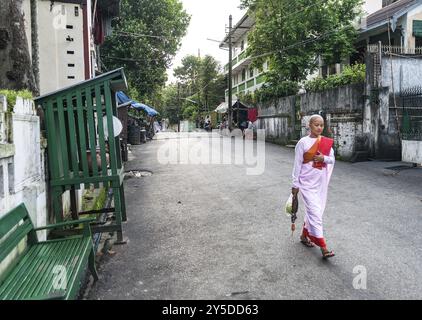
(307, 242)
(328, 254)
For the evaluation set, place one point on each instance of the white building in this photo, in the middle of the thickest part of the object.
(67, 33)
(245, 78)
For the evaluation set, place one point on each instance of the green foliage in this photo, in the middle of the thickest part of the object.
(350, 75)
(200, 81)
(167, 103)
(291, 35)
(11, 96)
(145, 39)
(249, 98)
(281, 89)
(190, 112)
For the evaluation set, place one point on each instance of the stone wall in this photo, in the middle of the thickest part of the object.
(343, 110)
(287, 118)
(277, 118)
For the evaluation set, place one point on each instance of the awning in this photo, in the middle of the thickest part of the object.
(123, 100)
(150, 111)
(222, 108)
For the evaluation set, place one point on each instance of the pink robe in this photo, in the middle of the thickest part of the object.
(313, 186)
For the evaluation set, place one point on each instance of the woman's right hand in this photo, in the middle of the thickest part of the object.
(295, 191)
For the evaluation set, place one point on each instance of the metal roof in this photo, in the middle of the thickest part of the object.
(394, 10)
(239, 30)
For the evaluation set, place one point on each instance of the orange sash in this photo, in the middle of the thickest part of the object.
(322, 146)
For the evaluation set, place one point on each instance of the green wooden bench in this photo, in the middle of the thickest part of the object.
(44, 270)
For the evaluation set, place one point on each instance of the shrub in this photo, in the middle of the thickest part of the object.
(11, 96)
(350, 75)
(279, 90)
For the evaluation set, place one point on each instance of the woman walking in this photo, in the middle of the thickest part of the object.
(314, 163)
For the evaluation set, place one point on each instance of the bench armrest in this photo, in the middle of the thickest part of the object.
(64, 224)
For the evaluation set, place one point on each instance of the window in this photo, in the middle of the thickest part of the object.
(251, 73)
(243, 75)
(242, 45)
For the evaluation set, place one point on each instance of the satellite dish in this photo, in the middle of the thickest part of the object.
(117, 125)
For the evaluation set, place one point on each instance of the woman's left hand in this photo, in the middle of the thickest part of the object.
(319, 158)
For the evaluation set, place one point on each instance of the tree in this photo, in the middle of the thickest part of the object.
(188, 74)
(292, 35)
(201, 81)
(146, 37)
(16, 71)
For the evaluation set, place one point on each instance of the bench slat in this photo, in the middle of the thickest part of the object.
(41, 269)
(37, 278)
(21, 271)
(66, 259)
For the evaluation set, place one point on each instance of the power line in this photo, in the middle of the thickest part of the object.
(139, 35)
(324, 35)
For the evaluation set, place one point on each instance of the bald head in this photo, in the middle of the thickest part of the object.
(316, 117)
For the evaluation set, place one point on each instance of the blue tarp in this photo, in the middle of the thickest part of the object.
(123, 99)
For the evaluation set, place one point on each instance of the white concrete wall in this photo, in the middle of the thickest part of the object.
(407, 72)
(412, 151)
(22, 176)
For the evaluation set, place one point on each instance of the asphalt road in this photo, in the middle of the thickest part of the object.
(214, 232)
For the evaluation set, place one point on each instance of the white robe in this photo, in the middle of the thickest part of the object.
(313, 185)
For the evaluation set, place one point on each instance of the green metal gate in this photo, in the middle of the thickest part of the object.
(80, 152)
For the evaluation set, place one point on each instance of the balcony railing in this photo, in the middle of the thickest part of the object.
(238, 59)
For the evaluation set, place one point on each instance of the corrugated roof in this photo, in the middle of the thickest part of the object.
(396, 8)
(243, 26)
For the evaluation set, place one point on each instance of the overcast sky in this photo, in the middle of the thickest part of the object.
(208, 20)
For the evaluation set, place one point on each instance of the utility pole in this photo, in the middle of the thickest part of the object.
(230, 73)
(178, 107)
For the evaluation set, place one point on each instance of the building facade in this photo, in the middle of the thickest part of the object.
(245, 78)
(68, 34)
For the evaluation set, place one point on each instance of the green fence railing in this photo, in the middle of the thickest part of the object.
(82, 149)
